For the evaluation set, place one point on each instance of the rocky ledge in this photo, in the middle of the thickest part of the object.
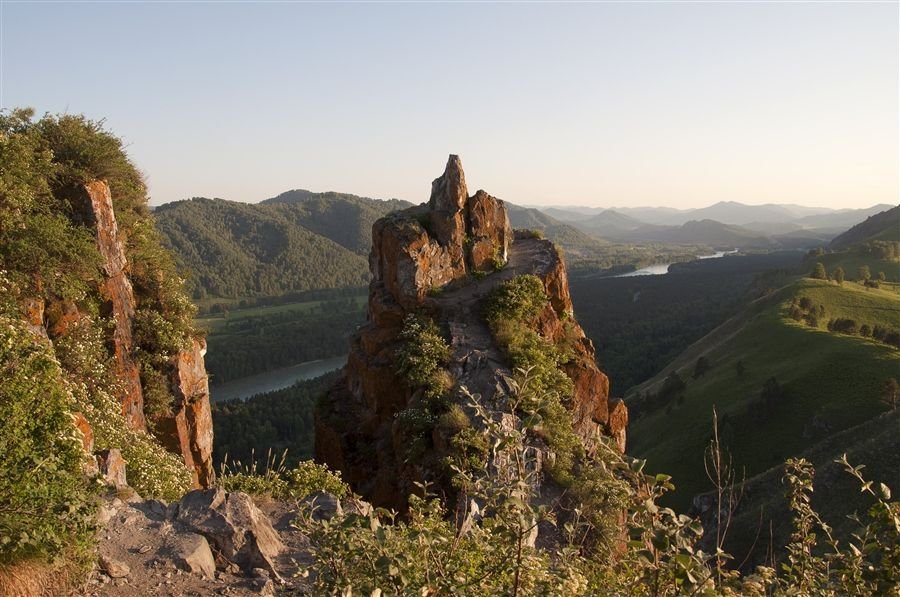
(442, 259)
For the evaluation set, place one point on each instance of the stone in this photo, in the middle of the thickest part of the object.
(357, 506)
(117, 290)
(421, 261)
(232, 523)
(188, 428)
(114, 568)
(489, 232)
(322, 505)
(112, 467)
(191, 553)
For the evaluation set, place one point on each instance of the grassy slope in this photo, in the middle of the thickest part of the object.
(875, 442)
(831, 378)
(851, 261)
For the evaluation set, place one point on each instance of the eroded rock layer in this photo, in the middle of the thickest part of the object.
(442, 259)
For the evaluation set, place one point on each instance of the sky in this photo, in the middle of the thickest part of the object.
(601, 104)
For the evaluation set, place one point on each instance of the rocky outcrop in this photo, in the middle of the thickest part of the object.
(188, 429)
(116, 288)
(422, 261)
(233, 524)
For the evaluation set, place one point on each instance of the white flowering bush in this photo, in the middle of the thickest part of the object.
(152, 471)
(45, 505)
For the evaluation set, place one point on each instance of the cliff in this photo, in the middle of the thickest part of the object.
(441, 260)
(185, 426)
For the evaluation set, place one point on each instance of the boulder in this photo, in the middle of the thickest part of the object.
(191, 552)
(322, 505)
(112, 467)
(234, 526)
(117, 290)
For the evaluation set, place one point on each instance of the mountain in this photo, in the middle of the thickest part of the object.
(655, 215)
(345, 219)
(453, 284)
(576, 243)
(608, 223)
(706, 232)
(564, 214)
(883, 226)
(732, 212)
(296, 242)
(841, 220)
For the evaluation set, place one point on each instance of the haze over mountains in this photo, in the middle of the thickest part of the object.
(302, 240)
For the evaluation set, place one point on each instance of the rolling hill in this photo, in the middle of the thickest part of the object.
(780, 386)
(293, 243)
(576, 243)
(706, 232)
(884, 226)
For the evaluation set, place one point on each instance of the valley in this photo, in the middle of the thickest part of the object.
(262, 334)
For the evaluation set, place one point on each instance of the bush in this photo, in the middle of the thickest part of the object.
(648, 549)
(542, 387)
(422, 356)
(45, 504)
(277, 481)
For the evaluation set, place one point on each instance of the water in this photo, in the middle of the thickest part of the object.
(276, 379)
(663, 268)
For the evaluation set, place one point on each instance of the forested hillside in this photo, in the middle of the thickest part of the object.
(883, 226)
(290, 244)
(641, 323)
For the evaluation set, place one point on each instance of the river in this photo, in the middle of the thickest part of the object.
(276, 379)
(663, 268)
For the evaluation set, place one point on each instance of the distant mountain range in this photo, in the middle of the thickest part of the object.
(722, 224)
(302, 240)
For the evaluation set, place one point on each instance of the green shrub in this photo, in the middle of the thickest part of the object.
(277, 481)
(422, 356)
(616, 539)
(521, 299)
(152, 471)
(542, 386)
(45, 505)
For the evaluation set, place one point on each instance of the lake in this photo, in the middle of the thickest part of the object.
(663, 268)
(276, 379)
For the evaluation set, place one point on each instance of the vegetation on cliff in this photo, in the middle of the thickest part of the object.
(491, 548)
(44, 496)
(59, 330)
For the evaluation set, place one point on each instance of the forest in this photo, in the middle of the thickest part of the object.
(640, 323)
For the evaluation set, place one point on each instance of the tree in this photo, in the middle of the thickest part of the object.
(890, 393)
(701, 367)
(882, 277)
(838, 275)
(818, 271)
(864, 274)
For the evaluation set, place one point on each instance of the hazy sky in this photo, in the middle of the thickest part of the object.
(595, 104)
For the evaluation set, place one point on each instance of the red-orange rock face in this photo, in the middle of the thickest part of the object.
(189, 428)
(420, 261)
(116, 288)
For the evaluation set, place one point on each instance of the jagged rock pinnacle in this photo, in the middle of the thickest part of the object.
(448, 191)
